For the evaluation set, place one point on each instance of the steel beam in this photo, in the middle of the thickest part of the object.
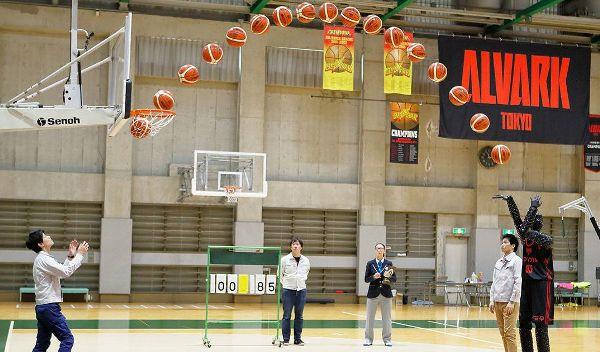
(523, 14)
(258, 5)
(400, 4)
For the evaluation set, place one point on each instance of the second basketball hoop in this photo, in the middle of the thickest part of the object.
(231, 193)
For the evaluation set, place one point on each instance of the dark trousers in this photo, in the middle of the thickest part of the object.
(537, 303)
(292, 299)
(50, 321)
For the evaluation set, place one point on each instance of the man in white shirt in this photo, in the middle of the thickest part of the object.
(47, 273)
(506, 291)
(294, 272)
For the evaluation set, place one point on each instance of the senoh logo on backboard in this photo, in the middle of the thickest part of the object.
(56, 122)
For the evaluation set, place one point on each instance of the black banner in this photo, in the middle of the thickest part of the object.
(404, 133)
(592, 149)
(530, 92)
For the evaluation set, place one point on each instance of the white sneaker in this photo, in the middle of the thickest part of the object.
(388, 343)
(368, 343)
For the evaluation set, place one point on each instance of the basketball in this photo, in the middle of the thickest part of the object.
(259, 24)
(372, 24)
(236, 36)
(479, 123)
(188, 74)
(140, 128)
(500, 154)
(416, 52)
(212, 53)
(163, 99)
(305, 12)
(282, 16)
(328, 12)
(437, 72)
(459, 95)
(394, 36)
(350, 16)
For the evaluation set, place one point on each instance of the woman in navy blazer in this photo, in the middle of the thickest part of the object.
(379, 294)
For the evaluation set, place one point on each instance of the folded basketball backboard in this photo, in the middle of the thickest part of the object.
(22, 113)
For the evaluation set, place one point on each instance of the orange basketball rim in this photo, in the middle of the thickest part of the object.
(158, 118)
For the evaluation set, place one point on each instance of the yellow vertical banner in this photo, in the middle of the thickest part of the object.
(338, 58)
(397, 69)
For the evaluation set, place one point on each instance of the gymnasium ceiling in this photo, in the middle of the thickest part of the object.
(557, 21)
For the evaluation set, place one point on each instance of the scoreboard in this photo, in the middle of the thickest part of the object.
(243, 284)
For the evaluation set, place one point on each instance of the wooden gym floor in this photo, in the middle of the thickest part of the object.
(162, 327)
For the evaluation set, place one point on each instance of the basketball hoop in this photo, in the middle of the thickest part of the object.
(157, 119)
(231, 193)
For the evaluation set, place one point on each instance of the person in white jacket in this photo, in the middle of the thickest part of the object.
(505, 292)
(47, 273)
(294, 272)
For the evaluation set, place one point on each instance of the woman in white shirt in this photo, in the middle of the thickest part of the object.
(47, 273)
(506, 291)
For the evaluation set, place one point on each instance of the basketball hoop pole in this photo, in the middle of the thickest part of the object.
(72, 92)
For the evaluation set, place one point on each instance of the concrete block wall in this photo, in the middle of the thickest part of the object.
(322, 153)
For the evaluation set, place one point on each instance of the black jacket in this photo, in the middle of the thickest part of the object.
(375, 285)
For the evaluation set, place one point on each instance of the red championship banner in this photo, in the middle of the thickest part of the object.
(404, 133)
(338, 58)
(591, 151)
(397, 69)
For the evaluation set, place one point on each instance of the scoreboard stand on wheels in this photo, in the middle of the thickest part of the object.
(248, 284)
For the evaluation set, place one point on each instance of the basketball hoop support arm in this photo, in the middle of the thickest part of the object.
(583, 205)
(79, 58)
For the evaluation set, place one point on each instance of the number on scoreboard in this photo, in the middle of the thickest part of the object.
(232, 283)
(260, 284)
(271, 284)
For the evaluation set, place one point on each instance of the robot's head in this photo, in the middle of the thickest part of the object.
(538, 222)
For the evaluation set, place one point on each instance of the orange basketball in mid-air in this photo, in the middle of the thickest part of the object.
(328, 12)
(350, 16)
(306, 12)
(259, 24)
(188, 74)
(140, 127)
(500, 154)
(236, 36)
(394, 36)
(479, 123)
(282, 16)
(437, 72)
(372, 24)
(163, 99)
(459, 95)
(212, 53)
(416, 52)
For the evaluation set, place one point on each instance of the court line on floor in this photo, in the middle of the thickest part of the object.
(447, 325)
(10, 328)
(432, 330)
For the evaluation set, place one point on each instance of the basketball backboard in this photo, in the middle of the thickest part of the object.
(214, 172)
(21, 113)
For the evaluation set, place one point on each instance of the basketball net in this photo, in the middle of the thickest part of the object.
(156, 117)
(231, 193)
